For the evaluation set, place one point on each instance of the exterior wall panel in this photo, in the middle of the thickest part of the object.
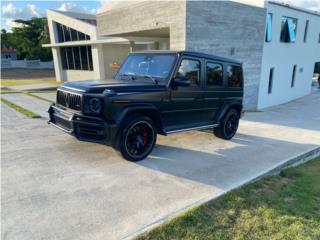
(231, 30)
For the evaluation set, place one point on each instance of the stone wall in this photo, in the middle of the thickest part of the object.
(231, 30)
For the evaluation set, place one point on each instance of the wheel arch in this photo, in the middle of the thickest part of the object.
(226, 107)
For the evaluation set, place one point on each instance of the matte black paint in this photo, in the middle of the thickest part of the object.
(170, 107)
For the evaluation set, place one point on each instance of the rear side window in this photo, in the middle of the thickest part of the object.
(214, 74)
(190, 69)
(235, 77)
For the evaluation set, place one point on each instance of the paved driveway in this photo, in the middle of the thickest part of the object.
(55, 187)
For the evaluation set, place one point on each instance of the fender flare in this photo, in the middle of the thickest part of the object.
(225, 108)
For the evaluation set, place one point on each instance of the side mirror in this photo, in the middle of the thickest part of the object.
(181, 81)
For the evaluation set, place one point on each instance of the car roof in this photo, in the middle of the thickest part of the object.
(191, 54)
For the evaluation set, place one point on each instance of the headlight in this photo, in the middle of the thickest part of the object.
(95, 105)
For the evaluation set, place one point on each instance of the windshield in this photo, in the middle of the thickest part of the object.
(147, 67)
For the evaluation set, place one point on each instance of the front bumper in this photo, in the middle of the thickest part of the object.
(82, 127)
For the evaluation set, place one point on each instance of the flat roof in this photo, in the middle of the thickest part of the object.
(295, 8)
(192, 54)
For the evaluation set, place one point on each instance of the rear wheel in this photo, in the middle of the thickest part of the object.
(228, 126)
(138, 138)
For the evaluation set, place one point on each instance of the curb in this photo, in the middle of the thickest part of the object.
(289, 162)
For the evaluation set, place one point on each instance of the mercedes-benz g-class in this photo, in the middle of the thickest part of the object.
(153, 92)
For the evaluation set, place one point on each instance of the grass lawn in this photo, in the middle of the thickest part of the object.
(20, 109)
(277, 207)
(16, 82)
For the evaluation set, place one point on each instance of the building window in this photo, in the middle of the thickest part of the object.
(306, 31)
(235, 77)
(319, 38)
(293, 75)
(269, 28)
(67, 34)
(288, 29)
(190, 69)
(270, 84)
(214, 74)
(78, 58)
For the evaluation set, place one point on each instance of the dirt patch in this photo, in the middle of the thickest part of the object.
(25, 73)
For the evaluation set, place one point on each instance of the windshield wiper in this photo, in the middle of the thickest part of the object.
(150, 77)
(130, 76)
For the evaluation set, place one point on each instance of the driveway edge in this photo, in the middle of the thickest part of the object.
(289, 162)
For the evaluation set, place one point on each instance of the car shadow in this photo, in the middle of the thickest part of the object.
(221, 163)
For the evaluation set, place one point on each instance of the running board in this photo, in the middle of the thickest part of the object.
(193, 128)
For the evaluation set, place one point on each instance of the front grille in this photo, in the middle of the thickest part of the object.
(69, 100)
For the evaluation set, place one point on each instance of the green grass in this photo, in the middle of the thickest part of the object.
(38, 97)
(20, 109)
(277, 207)
(17, 82)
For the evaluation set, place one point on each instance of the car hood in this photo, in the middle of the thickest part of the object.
(95, 86)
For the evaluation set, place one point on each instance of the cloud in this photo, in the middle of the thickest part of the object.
(73, 7)
(10, 13)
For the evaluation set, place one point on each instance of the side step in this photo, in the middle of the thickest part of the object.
(192, 128)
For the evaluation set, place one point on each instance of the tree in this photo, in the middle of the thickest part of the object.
(28, 38)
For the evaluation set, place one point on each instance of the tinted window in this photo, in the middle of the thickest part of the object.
(158, 66)
(288, 29)
(214, 74)
(190, 69)
(269, 28)
(235, 78)
(66, 34)
(79, 58)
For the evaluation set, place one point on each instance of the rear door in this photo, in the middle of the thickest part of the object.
(214, 90)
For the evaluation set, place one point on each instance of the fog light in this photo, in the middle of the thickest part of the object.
(95, 105)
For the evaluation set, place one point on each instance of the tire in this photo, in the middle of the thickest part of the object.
(137, 138)
(228, 126)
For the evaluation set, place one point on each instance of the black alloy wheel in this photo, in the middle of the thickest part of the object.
(138, 139)
(229, 125)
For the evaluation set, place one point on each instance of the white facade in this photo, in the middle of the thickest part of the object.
(282, 56)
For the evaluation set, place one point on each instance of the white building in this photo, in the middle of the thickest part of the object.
(278, 44)
(288, 64)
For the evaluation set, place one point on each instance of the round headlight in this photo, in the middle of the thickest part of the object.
(95, 105)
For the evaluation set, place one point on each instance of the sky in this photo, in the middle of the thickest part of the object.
(24, 9)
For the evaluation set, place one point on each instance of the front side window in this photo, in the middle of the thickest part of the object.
(77, 58)
(214, 74)
(190, 69)
(235, 78)
(288, 29)
(269, 28)
(144, 66)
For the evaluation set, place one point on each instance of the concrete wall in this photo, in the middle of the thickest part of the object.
(147, 15)
(232, 30)
(116, 53)
(77, 75)
(283, 56)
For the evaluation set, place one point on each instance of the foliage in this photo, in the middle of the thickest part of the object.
(28, 38)
(279, 207)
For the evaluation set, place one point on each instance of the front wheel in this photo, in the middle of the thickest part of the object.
(228, 126)
(138, 138)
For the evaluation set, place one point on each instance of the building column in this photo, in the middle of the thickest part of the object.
(57, 64)
(98, 62)
(131, 46)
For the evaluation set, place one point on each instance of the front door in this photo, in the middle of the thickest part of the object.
(185, 107)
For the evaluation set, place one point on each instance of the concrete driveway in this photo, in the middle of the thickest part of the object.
(55, 187)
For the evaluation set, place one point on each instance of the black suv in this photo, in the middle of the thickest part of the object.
(154, 92)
